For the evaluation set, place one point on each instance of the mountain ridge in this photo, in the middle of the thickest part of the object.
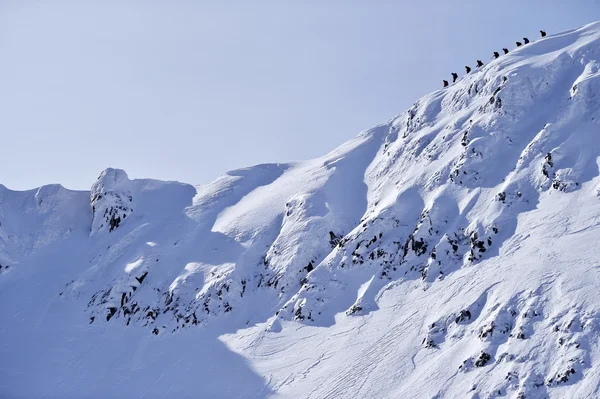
(443, 246)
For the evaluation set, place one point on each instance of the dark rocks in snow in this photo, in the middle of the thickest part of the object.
(453, 244)
(462, 316)
(561, 377)
(480, 361)
(494, 104)
(151, 315)
(111, 313)
(353, 309)
(114, 222)
(169, 299)
(464, 141)
(308, 268)
(299, 316)
(483, 359)
(334, 240)
(419, 247)
(371, 241)
(478, 246)
(141, 278)
(511, 376)
(545, 171)
(501, 196)
(486, 331)
(559, 185)
(428, 343)
(547, 166)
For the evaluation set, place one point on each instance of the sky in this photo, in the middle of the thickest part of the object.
(188, 90)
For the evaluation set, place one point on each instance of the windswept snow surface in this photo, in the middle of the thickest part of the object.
(451, 252)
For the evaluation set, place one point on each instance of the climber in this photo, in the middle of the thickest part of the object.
(519, 44)
(525, 40)
(479, 64)
(445, 83)
(468, 68)
(505, 50)
(496, 55)
(543, 33)
(454, 77)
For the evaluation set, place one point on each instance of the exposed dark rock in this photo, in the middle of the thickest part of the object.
(334, 240)
(141, 278)
(482, 360)
(462, 316)
(111, 313)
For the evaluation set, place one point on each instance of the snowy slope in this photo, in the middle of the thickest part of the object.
(447, 253)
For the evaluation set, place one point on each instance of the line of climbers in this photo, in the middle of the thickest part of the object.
(496, 55)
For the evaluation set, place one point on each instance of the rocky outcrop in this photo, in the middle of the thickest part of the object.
(111, 200)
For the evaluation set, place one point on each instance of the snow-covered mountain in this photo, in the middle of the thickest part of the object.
(451, 252)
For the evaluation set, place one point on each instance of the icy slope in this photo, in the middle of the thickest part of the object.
(450, 252)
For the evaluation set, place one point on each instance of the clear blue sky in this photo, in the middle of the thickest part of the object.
(187, 90)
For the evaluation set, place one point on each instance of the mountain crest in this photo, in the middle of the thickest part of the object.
(449, 252)
(111, 200)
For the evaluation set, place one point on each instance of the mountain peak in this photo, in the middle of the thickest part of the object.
(111, 200)
(111, 178)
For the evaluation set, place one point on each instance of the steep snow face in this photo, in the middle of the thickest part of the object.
(32, 220)
(462, 164)
(448, 252)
